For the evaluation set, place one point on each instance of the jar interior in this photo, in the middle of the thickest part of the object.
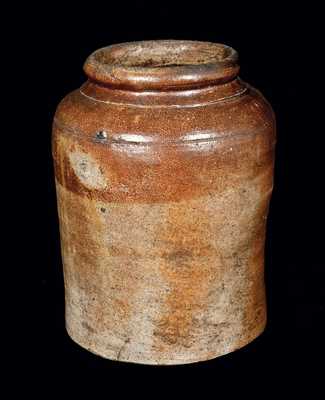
(162, 54)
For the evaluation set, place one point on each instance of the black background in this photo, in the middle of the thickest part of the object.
(280, 55)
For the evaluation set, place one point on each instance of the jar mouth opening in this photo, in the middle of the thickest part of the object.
(162, 64)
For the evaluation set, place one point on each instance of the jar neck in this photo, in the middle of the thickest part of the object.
(162, 72)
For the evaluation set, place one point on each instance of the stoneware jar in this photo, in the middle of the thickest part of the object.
(164, 172)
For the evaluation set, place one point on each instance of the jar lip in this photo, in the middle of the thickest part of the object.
(162, 64)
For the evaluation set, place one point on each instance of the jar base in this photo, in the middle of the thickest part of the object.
(171, 361)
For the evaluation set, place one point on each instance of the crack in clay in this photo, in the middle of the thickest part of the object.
(122, 348)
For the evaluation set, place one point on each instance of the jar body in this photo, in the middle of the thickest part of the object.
(162, 211)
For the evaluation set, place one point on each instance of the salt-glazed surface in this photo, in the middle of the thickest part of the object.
(163, 193)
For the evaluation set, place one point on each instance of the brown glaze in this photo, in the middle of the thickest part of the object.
(164, 172)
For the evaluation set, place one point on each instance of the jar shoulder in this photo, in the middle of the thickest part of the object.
(249, 113)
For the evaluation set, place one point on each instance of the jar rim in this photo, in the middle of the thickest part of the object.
(162, 65)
